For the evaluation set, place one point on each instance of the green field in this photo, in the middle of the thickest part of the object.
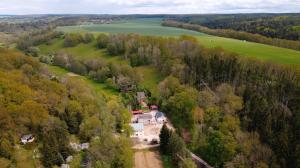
(140, 26)
(250, 49)
(153, 27)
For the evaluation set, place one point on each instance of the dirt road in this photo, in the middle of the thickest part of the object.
(147, 159)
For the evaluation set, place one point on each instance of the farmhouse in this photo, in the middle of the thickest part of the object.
(27, 139)
(138, 130)
(79, 147)
(145, 119)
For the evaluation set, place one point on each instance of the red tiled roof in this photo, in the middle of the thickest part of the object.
(137, 112)
(153, 107)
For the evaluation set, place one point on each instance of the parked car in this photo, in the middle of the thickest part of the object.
(154, 142)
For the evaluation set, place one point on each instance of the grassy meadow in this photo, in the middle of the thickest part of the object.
(154, 27)
(256, 50)
(150, 26)
(97, 87)
(149, 75)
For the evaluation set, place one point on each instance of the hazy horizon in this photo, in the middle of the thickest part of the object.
(118, 7)
(36, 14)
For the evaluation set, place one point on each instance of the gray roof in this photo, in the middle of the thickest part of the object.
(159, 114)
(145, 116)
(25, 137)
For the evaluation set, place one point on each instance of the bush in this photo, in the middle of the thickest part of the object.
(110, 83)
(72, 40)
(102, 41)
(88, 37)
(45, 59)
(6, 148)
(112, 49)
(33, 51)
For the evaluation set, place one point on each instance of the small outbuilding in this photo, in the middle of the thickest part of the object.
(141, 96)
(27, 139)
(160, 117)
(79, 147)
(153, 107)
(84, 146)
(138, 129)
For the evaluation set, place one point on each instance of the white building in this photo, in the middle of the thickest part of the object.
(138, 130)
(160, 117)
(27, 139)
(79, 147)
(85, 146)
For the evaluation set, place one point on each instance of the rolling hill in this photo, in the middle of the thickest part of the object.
(153, 26)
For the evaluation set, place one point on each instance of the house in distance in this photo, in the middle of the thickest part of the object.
(138, 130)
(27, 139)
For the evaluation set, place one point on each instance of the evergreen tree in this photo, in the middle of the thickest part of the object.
(164, 136)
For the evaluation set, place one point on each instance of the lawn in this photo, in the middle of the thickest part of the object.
(153, 27)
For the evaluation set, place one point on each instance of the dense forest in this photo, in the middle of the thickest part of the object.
(241, 35)
(57, 111)
(231, 111)
(226, 103)
(283, 26)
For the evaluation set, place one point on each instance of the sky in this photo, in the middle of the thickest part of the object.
(147, 6)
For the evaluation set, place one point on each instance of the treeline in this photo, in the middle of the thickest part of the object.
(28, 42)
(18, 27)
(117, 76)
(282, 26)
(72, 40)
(22, 24)
(26, 23)
(234, 92)
(22, 27)
(33, 101)
(241, 35)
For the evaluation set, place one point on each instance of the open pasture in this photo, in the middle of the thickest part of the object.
(153, 26)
